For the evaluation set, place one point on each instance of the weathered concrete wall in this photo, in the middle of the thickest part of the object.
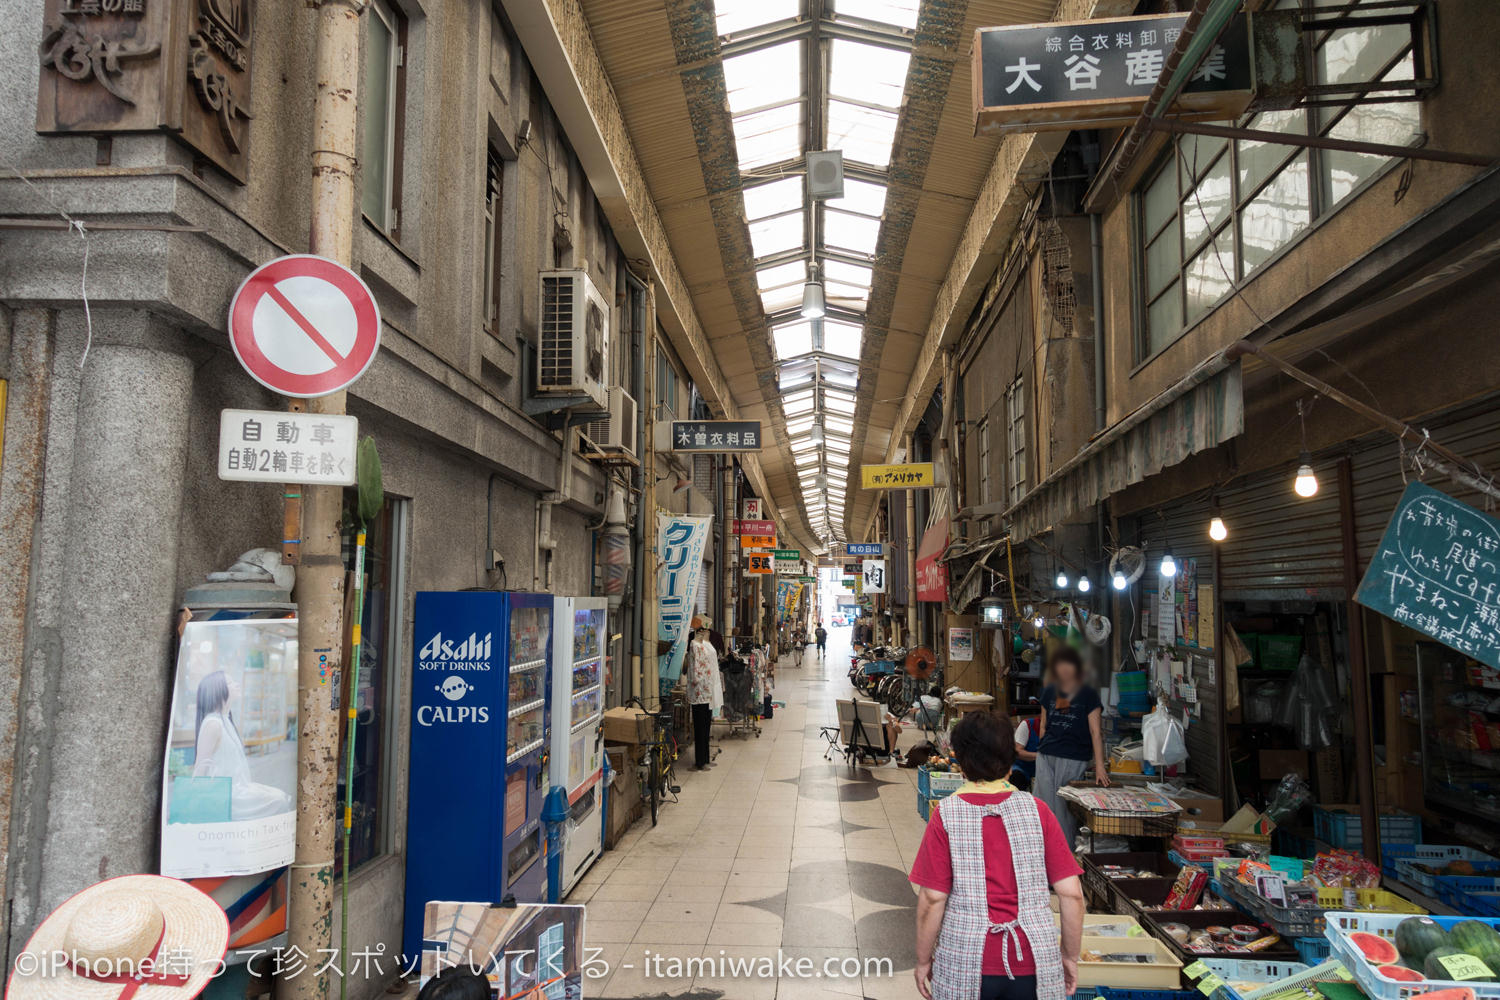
(109, 503)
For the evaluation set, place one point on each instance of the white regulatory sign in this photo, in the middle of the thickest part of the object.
(275, 446)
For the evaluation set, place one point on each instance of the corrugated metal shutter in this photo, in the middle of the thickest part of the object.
(1473, 432)
(1185, 528)
(895, 561)
(1281, 545)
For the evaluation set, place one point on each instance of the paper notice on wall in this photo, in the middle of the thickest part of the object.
(1166, 612)
(1206, 624)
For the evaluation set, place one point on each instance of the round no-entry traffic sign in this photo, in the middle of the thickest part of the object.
(304, 325)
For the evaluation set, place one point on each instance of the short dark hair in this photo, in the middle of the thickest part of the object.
(984, 745)
(1065, 654)
(457, 982)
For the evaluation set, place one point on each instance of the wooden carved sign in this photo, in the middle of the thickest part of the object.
(143, 65)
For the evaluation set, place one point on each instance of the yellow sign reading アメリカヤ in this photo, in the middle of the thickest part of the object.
(897, 477)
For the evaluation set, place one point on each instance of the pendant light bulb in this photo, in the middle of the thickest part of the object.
(1119, 581)
(1039, 622)
(1062, 580)
(1083, 585)
(1168, 565)
(1217, 529)
(1306, 484)
(813, 304)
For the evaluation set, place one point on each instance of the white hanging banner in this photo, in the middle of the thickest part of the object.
(681, 539)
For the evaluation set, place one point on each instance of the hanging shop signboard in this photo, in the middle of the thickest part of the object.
(897, 477)
(1437, 570)
(754, 527)
(235, 687)
(932, 575)
(788, 562)
(873, 575)
(716, 435)
(179, 66)
(1088, 74)
(277, 446)
(876, 549)
(757, 541)
(851, 569)
(681, 538)
(758, 563)
(304, 325)
(753, 508)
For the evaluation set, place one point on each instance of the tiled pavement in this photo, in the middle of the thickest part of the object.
(774, 853)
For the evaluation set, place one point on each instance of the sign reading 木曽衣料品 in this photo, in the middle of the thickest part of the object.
(1437, 570)
(1087, 74)
(716, 435)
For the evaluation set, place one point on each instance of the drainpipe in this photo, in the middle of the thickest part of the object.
(546, 541)
(1096, 283)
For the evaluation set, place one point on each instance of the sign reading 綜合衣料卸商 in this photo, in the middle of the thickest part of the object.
(682, 538)
(1437, 570)
(716, 435)
(278, 446)
(758, 563)
(863, 549)
(897, 477)
(1087, 74)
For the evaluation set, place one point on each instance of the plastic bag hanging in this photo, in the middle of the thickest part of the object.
(1165, 742)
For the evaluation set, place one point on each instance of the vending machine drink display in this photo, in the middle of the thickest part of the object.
(579, 639)
(479, 735)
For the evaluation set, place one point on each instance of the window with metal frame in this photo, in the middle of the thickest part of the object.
(1215, 210)
(493, 230)
(985, 492)
(1015, 440)
(382, 98)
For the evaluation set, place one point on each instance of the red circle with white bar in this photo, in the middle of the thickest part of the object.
(304, 325)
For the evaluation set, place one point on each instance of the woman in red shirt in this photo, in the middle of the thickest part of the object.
(985, 929)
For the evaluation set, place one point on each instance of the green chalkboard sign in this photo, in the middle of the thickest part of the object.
(1437, 570)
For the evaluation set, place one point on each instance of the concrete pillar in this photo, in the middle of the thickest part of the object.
(113, 688)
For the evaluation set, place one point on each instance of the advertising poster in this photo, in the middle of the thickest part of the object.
(230, 781)
(533, 950)
(680, 539)
(960, 645)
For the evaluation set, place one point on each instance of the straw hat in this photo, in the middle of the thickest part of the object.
(91, 945)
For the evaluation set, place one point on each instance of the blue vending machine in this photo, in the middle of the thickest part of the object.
(479, 732)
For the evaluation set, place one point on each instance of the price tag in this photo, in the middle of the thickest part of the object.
(1195, 970)
(1136, 930)
(1464, 967)
(1351, 899)
(1208, 984)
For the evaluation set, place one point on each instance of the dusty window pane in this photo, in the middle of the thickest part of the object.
(1281, 211)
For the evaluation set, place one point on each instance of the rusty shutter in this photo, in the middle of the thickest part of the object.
(1280, 545)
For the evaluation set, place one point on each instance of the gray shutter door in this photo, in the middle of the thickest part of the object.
(1186, 529)
(1280, 545)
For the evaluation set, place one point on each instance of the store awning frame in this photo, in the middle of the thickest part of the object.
(1202, 410)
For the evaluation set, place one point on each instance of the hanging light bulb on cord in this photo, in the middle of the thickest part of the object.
(1083, 585)
(1062, 579)
(1168, 565)
(1039, 622)
(1217, 530)
(1119, 581)
(1306, 483)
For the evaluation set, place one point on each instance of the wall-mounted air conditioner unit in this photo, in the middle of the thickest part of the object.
(571, 356)
(616, 433)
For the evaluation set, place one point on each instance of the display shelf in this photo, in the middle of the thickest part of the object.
(518, 668)
(586, 660)
(522, 751)
(577, 726)
(585, 692)
(530, 706)
(1432, 905)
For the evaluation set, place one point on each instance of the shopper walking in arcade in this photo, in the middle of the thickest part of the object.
(984, 923)
(1071, 734)
(705, 692)
(821, 634)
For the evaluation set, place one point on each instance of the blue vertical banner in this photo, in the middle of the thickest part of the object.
(680, 542)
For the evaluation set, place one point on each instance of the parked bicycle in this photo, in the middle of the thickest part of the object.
(658, 766)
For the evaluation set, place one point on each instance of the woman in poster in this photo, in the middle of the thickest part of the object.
(221, 752)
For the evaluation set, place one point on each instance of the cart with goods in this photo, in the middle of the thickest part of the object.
(1395, 957)
(1123, 812)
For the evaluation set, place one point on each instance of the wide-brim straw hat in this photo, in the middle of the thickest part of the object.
(117, 925)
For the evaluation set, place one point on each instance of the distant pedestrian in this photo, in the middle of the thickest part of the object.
(822, 636)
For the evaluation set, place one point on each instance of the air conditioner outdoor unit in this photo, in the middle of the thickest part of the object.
(574, 337)
(617, 432)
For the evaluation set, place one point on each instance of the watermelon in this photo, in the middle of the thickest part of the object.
(1452, 993)
(1478, 939)
(1433, 967)
(1377, 950)
(1416, 936)
(1400, 973)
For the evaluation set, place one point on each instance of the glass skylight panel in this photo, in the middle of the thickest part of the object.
(792, 339)
(770, 136)
(773, 198)
(764, 77)
(848, 296)
(781, 299)
(794, 273)
(850, 274)
(800, 425)
(860, 196)
(792, 379)
(737, 15)
(901, 13)
(839, 405)
(777, 234)
(864, 134)
(850, 232)
(797, 402)
(872, 74)
(841, 338)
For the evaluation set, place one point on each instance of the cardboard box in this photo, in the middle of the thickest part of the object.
(627, 725)
(625, 805)
(1203, 810)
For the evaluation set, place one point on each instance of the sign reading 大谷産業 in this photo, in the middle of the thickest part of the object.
(1437, 570)
(278, 446)
(865, 548)
(716, 435)
(897, 477)
(1084, 74)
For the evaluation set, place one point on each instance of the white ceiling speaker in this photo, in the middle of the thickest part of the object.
(825, 174)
